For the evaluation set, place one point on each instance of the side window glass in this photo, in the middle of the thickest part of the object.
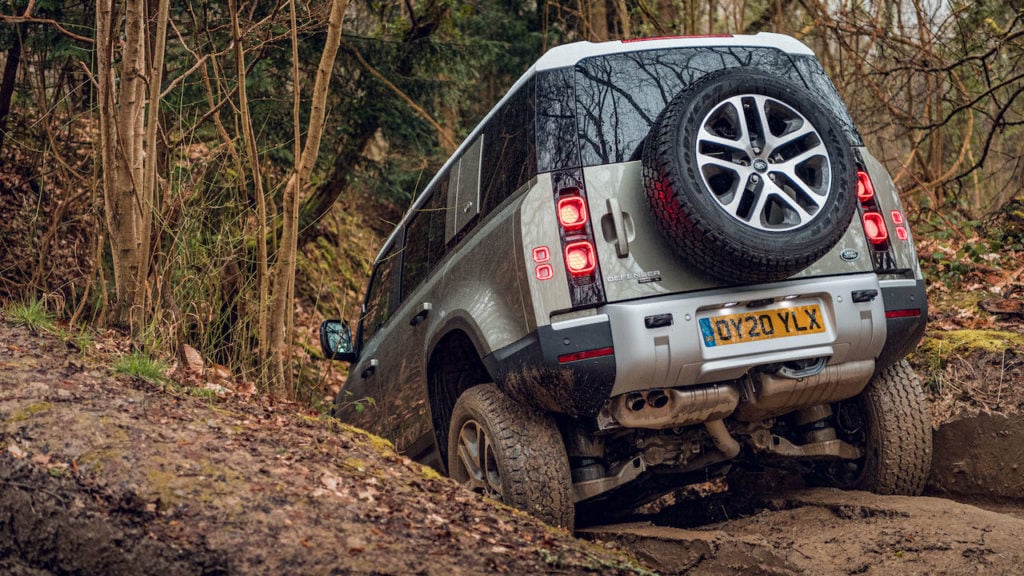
(556, 121)
(510, 150)
(380, 301)
(424, 240)
(822, 87)
(464, 189)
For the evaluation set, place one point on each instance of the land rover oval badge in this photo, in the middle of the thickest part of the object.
(849, 255)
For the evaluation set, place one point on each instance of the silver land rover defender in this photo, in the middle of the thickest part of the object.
(652, 261)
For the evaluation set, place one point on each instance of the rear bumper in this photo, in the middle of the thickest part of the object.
(676, 355)
(657, 342)
(906, 307)
(541, 369)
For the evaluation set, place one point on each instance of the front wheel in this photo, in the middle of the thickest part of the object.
(511, 453)
(890, 421)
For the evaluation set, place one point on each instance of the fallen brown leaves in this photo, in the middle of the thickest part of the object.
(188, 484)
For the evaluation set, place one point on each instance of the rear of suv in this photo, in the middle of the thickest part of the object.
(651, 262)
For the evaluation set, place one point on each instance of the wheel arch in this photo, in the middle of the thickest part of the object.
(453, 366)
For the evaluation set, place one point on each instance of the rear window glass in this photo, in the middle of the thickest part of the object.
(619, 96)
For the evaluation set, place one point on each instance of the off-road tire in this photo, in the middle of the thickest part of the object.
(529, 450)
(692, 218)
(896, 435)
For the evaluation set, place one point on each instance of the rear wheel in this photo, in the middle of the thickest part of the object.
(890, 421)
(511, 453)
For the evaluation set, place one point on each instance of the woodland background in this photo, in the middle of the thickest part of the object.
(216, 177)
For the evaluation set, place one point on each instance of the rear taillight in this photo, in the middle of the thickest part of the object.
(576, 233)
(907, 313)
(865, 189)
(901, 230)
(572, 212)
(874, 228)
(586, 355)
(543, 270)
(871, 218)
(580, 258)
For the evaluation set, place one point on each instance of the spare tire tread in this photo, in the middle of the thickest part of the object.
(714, 243)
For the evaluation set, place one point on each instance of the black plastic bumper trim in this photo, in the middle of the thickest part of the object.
(903, 332)
(529, 369)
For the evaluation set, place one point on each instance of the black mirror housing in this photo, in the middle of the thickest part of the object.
(336, 341)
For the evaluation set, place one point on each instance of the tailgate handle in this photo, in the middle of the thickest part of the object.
(421, 315)
(619, 226)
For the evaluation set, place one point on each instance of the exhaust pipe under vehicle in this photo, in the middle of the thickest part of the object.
(758, 397)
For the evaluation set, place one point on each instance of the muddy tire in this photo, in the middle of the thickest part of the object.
(749, 178)
(511, 453)
(891, 422)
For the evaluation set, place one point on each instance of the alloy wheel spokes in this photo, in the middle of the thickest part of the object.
(763, 162)
(479, 464)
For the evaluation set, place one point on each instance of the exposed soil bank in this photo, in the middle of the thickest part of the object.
(108, 475)
(979, 456)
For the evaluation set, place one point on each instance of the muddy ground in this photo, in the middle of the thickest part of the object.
(828, 532)
(105, 474)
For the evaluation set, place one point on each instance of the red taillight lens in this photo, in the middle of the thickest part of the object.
(579, 258)
(586, 354)
(902, 233)
(874, 228)
(865, 189)
(572, 212)
(908, 313)
(544, 272)
(897, 217)
(541, 254)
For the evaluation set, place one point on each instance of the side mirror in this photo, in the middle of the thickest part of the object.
(336, 341)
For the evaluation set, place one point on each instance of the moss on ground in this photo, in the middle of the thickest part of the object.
(29, 411)
(962, 342)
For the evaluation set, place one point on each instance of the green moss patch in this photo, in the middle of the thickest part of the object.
(963, 342)
(29, 411)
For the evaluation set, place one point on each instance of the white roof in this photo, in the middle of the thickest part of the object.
(571, 54)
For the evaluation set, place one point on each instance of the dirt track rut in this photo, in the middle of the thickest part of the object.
(826, 532)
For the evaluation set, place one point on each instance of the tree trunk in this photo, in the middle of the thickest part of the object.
(284, 267)
(346, 160)
(122, 103)
(597, 20)
(8, 82)
(262, 256)
(622, 14)
(128, 128)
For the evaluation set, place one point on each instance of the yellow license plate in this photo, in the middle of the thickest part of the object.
(761, 325)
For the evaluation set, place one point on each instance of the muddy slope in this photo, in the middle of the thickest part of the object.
(108, 475)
